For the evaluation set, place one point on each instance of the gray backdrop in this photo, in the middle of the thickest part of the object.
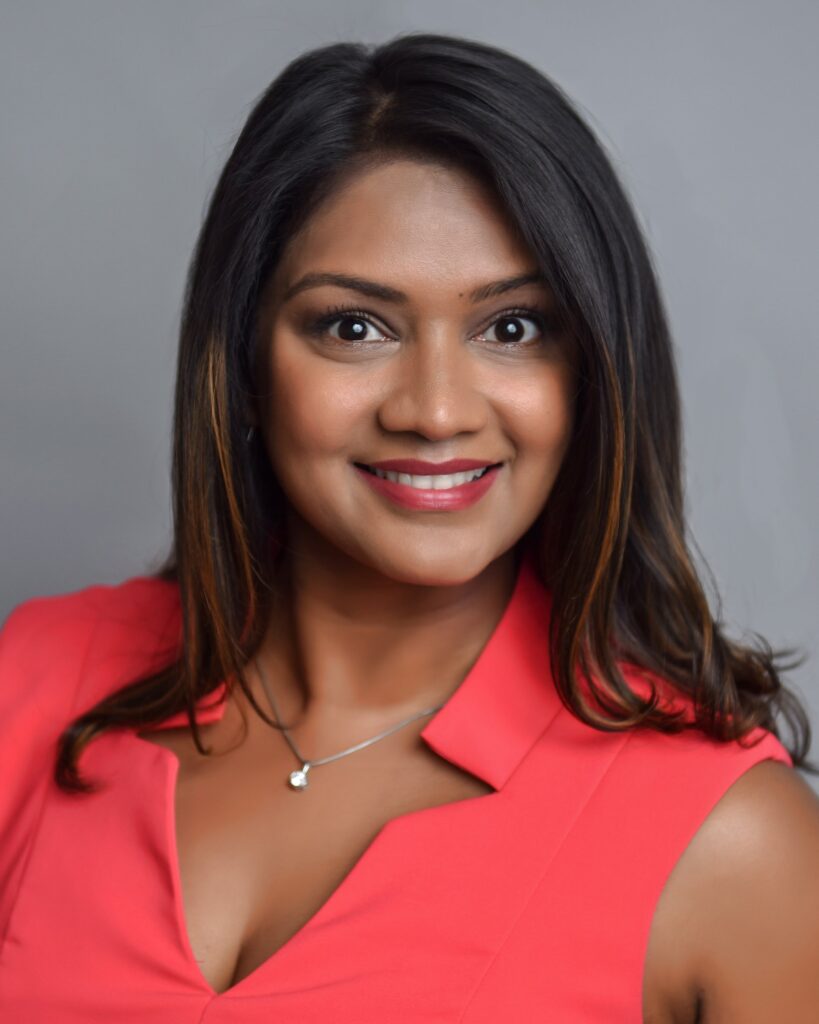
(116, 118)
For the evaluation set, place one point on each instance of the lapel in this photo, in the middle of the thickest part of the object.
(502, 705)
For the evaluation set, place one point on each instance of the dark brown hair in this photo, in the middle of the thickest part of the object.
(612, 540)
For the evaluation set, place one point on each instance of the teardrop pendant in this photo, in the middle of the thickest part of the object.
(298, 779)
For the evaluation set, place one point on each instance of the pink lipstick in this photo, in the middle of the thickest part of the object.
(414, 487)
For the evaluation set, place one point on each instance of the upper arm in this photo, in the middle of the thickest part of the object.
(755, 949)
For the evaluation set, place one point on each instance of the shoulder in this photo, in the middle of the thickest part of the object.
(49, 640)
(85, 605)
(41, 633)
(747, 889)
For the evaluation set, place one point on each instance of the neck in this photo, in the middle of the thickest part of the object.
(347, 639)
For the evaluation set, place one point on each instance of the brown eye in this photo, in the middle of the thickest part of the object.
(509, 328)
(354, 324)
(352, 328)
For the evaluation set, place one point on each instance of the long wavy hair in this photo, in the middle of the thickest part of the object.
(611, 542)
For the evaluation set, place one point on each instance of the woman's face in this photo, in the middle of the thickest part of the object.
(417, 368)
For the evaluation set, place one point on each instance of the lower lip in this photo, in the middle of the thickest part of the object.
(449, 500)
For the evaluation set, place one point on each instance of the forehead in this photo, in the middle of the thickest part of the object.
(422, 224)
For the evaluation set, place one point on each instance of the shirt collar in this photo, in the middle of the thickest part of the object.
(500, 708)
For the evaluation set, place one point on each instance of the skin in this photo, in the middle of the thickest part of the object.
(385, 609)
(383, 599)
(387, 603)
(735, 935)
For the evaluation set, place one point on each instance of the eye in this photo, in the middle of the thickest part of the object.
(355, 324)
(510, 334)
(353, 331)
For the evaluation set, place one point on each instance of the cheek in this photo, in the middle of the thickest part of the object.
(544, 416)
(312, 406)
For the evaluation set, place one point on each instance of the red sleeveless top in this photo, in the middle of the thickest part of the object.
(533, 902)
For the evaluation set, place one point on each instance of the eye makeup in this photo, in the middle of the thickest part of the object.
(547, 322)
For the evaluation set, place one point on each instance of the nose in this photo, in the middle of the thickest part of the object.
(433, 389)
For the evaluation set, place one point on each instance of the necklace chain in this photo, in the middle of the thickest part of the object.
(298, 779)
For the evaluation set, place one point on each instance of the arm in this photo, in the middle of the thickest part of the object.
(756, 914)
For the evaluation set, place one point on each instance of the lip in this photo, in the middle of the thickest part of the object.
(417, 467)
(427, 499)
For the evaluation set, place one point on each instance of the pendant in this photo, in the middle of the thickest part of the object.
(298, 779)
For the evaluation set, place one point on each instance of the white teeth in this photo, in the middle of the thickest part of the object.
(435, 483)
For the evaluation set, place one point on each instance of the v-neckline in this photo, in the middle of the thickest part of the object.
(486, 726)
(171, 765)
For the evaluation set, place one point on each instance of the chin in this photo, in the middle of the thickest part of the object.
(432, 568)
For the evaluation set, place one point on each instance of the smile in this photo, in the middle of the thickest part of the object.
(441, 492)
(437, 482)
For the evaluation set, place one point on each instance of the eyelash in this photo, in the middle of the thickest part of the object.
(546, 322)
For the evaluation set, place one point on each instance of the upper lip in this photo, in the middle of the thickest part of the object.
(417, 467)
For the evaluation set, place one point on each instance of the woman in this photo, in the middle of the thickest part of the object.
(427, 702)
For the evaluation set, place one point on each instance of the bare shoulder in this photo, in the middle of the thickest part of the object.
(747, 896)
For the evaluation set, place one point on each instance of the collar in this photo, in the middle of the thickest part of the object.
(500, 708)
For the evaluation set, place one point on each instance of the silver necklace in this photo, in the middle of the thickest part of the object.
(298, 779)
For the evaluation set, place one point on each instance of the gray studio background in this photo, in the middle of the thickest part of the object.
(117, 117)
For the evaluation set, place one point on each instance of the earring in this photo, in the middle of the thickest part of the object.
(249, 436)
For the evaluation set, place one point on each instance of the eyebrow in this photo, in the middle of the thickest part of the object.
(374, 290)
